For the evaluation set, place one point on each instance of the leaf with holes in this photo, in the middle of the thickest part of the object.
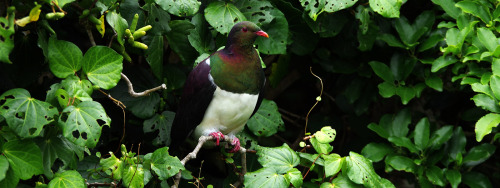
(82, 124)
(258, 11)
(336, 5)
(386, 8)
(179, 8)
(314, 7)
(267, 120)
(281, 158)
(25, 158)
(103, 66)
(76, 88)
(223, 15)
(158, 19)
(278, 35)
(70, 178)
(164, 165)
(64, 57)
(55, 146)
(161, 123)
(6, 33)
(360, 170)
(28, 115)
(265, 177)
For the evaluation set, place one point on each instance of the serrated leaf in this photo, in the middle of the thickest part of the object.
(265, 177)
(360, 170)
(25, 158)
(386, 8)
(422, 134)
(180, 8)
(333, 164)
(376, 151)
(164, 165)
(103, 66)
(495, 66)
(282, 158)
(118, 24)
(161, 123)
(294, 177)
(67, 179)
(82, 124)
(64, 57)
(454, 177)
(267, 120)
(485, 124)
(479, 154)
(4, 166)
(400, 163)
(223, 15)
(27, 116)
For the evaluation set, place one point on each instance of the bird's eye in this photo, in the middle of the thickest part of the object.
(244, 29)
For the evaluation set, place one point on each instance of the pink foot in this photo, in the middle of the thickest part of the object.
(236, 145)
(218, 136)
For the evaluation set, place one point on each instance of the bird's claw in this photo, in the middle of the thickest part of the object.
(236, 145)
(218, 136)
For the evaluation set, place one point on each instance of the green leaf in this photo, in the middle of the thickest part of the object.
(479, 154)
(258, 11)
(457, 143)
(25, 158)
(449, 7)
(382, 71)
(267, 120)
(54, 147)
(27, 116)
(103, 66)
(342, 181)
(223, 15)
(381, 131)
(118, 24)
(112, 166)
(179, 42)
(4, 166)
(325, 135)
(386, 8)
(422, 134)
(386, 89)
(308, 159)
(200, 37)
(435, 175)
(158, 18)
(67, 179)
(333, 164)
(180, 8)
(336, 5)
(391, 40)
(403, 142)
(495, 86)
(320, 147)
(265, 177)
(476, 180)
(486, 102)
(164, 165)
(434, 82)
(406, 93)
(314, 7)
(485, 124)
(11, 180)
(282, 158)
(64, 57)
(161, 123)
(7, 40)
(454, 177)
(401, 122)
(82, 124)
(401, 66)
(488, 39)
(278, 35)
(400, 163)
(476, 9)
(294, 177)
(430, 42)
(440, 136)
(495, 66)
(376, 151)
(154, 56)
(360, 170)
(442, 62)
(76, 88)
(133, 176)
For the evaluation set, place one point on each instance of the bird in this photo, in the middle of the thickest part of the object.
(223, 91)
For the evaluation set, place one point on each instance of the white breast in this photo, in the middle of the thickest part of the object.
(228, 113)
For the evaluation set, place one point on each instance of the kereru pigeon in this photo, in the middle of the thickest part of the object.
(223, 91)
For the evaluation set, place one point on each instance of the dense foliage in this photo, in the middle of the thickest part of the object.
(407, 92)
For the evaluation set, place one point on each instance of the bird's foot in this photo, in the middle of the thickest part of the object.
(218, 136)
(236, 145)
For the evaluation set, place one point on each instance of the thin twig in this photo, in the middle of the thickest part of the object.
(141, 94)
(91, 37)
(291, 114)
(317, 99)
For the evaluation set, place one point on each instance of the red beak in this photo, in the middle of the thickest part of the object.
(262, 33)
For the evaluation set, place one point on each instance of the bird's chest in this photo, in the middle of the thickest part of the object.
(228, 112)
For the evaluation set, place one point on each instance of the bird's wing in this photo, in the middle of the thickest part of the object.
(196, 96)
(261, 95)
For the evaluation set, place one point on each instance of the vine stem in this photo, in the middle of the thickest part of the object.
(317, 99)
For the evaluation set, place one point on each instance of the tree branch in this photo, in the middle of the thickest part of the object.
(141, 94)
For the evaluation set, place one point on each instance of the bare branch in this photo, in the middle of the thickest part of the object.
(141, 94)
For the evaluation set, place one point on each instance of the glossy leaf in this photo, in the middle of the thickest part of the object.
(325, 135)
(403, 142)
(25, 158)
(442, 62)
(294, 177)
(321, 147)
(454, 177)
(422, 134)
(161, 123)
(386, 89)
(223, 15)
(265, 177)
(435, 175)
(4, 166)
(267, 120)
(479, 154)
(485, 124)
(55, 147)
(27, 115)
(475, 8)
(200, 37)
(406, 94)
(67, 179)
(180, 8)
(133, 176)
(118, 24)
(441, 136)
(179, 42)
(476, 179)
(278, 35)
(342, 181)
(400, 163)
(103, 66)
(164, 165)
(360, 170)
(382, 70)
(282, 158)
(400, 123)
(386, 8)
(495, 86)
(486, 102)
(333, 164)
(434, 82)
(154, 56)
(376, 151)
(158, 18)
(488, 39)
(64, 57)
(112, 166)
(449, 7)
(457, 143)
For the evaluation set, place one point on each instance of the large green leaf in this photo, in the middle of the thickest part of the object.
(435, 175)
(422, 134)
(454, 177)
(265, 177)
(4, 166)
(376, 151)
(360, 170)
(118, 24)
(448, 7)
(103, 66)
(27, 116)
(179, 42)
(294, 177)
(64, 57)
(485, 124)
(386, 8)
(476, 180)
(200, 37)
(133, 176)
(67, 179)
(180, 8)
(25, 158)
(488, 39)
(382, 70)
(281, 158)
(164, 165)
(267, 120)
(278, 35)
(476, 9)
(54, 147)
(479, 154)
(158, 18)
(223, 15)
(82, 124)
(154, 56)
(333, 164)
(162, 124)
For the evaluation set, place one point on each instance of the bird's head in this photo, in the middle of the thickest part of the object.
(244, 33)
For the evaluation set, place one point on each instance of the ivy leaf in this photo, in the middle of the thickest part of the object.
(161, 123)
(386, 8)
(164, 165)
(265, 177)
(282, 158)
(27, 115)
(103, 66)
(4, 166)
(118, 24)
(485, 124)
(376, 151)
(360, 170)
(223, 15)
(180, 8)
(25, 158)
(154, 56)
(294, 177)
(267, 120)
(133, 176)
(64, 57)
(69, 179)
(82, 124)
(333, 164)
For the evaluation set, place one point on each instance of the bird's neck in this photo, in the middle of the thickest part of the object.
(240, 46)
